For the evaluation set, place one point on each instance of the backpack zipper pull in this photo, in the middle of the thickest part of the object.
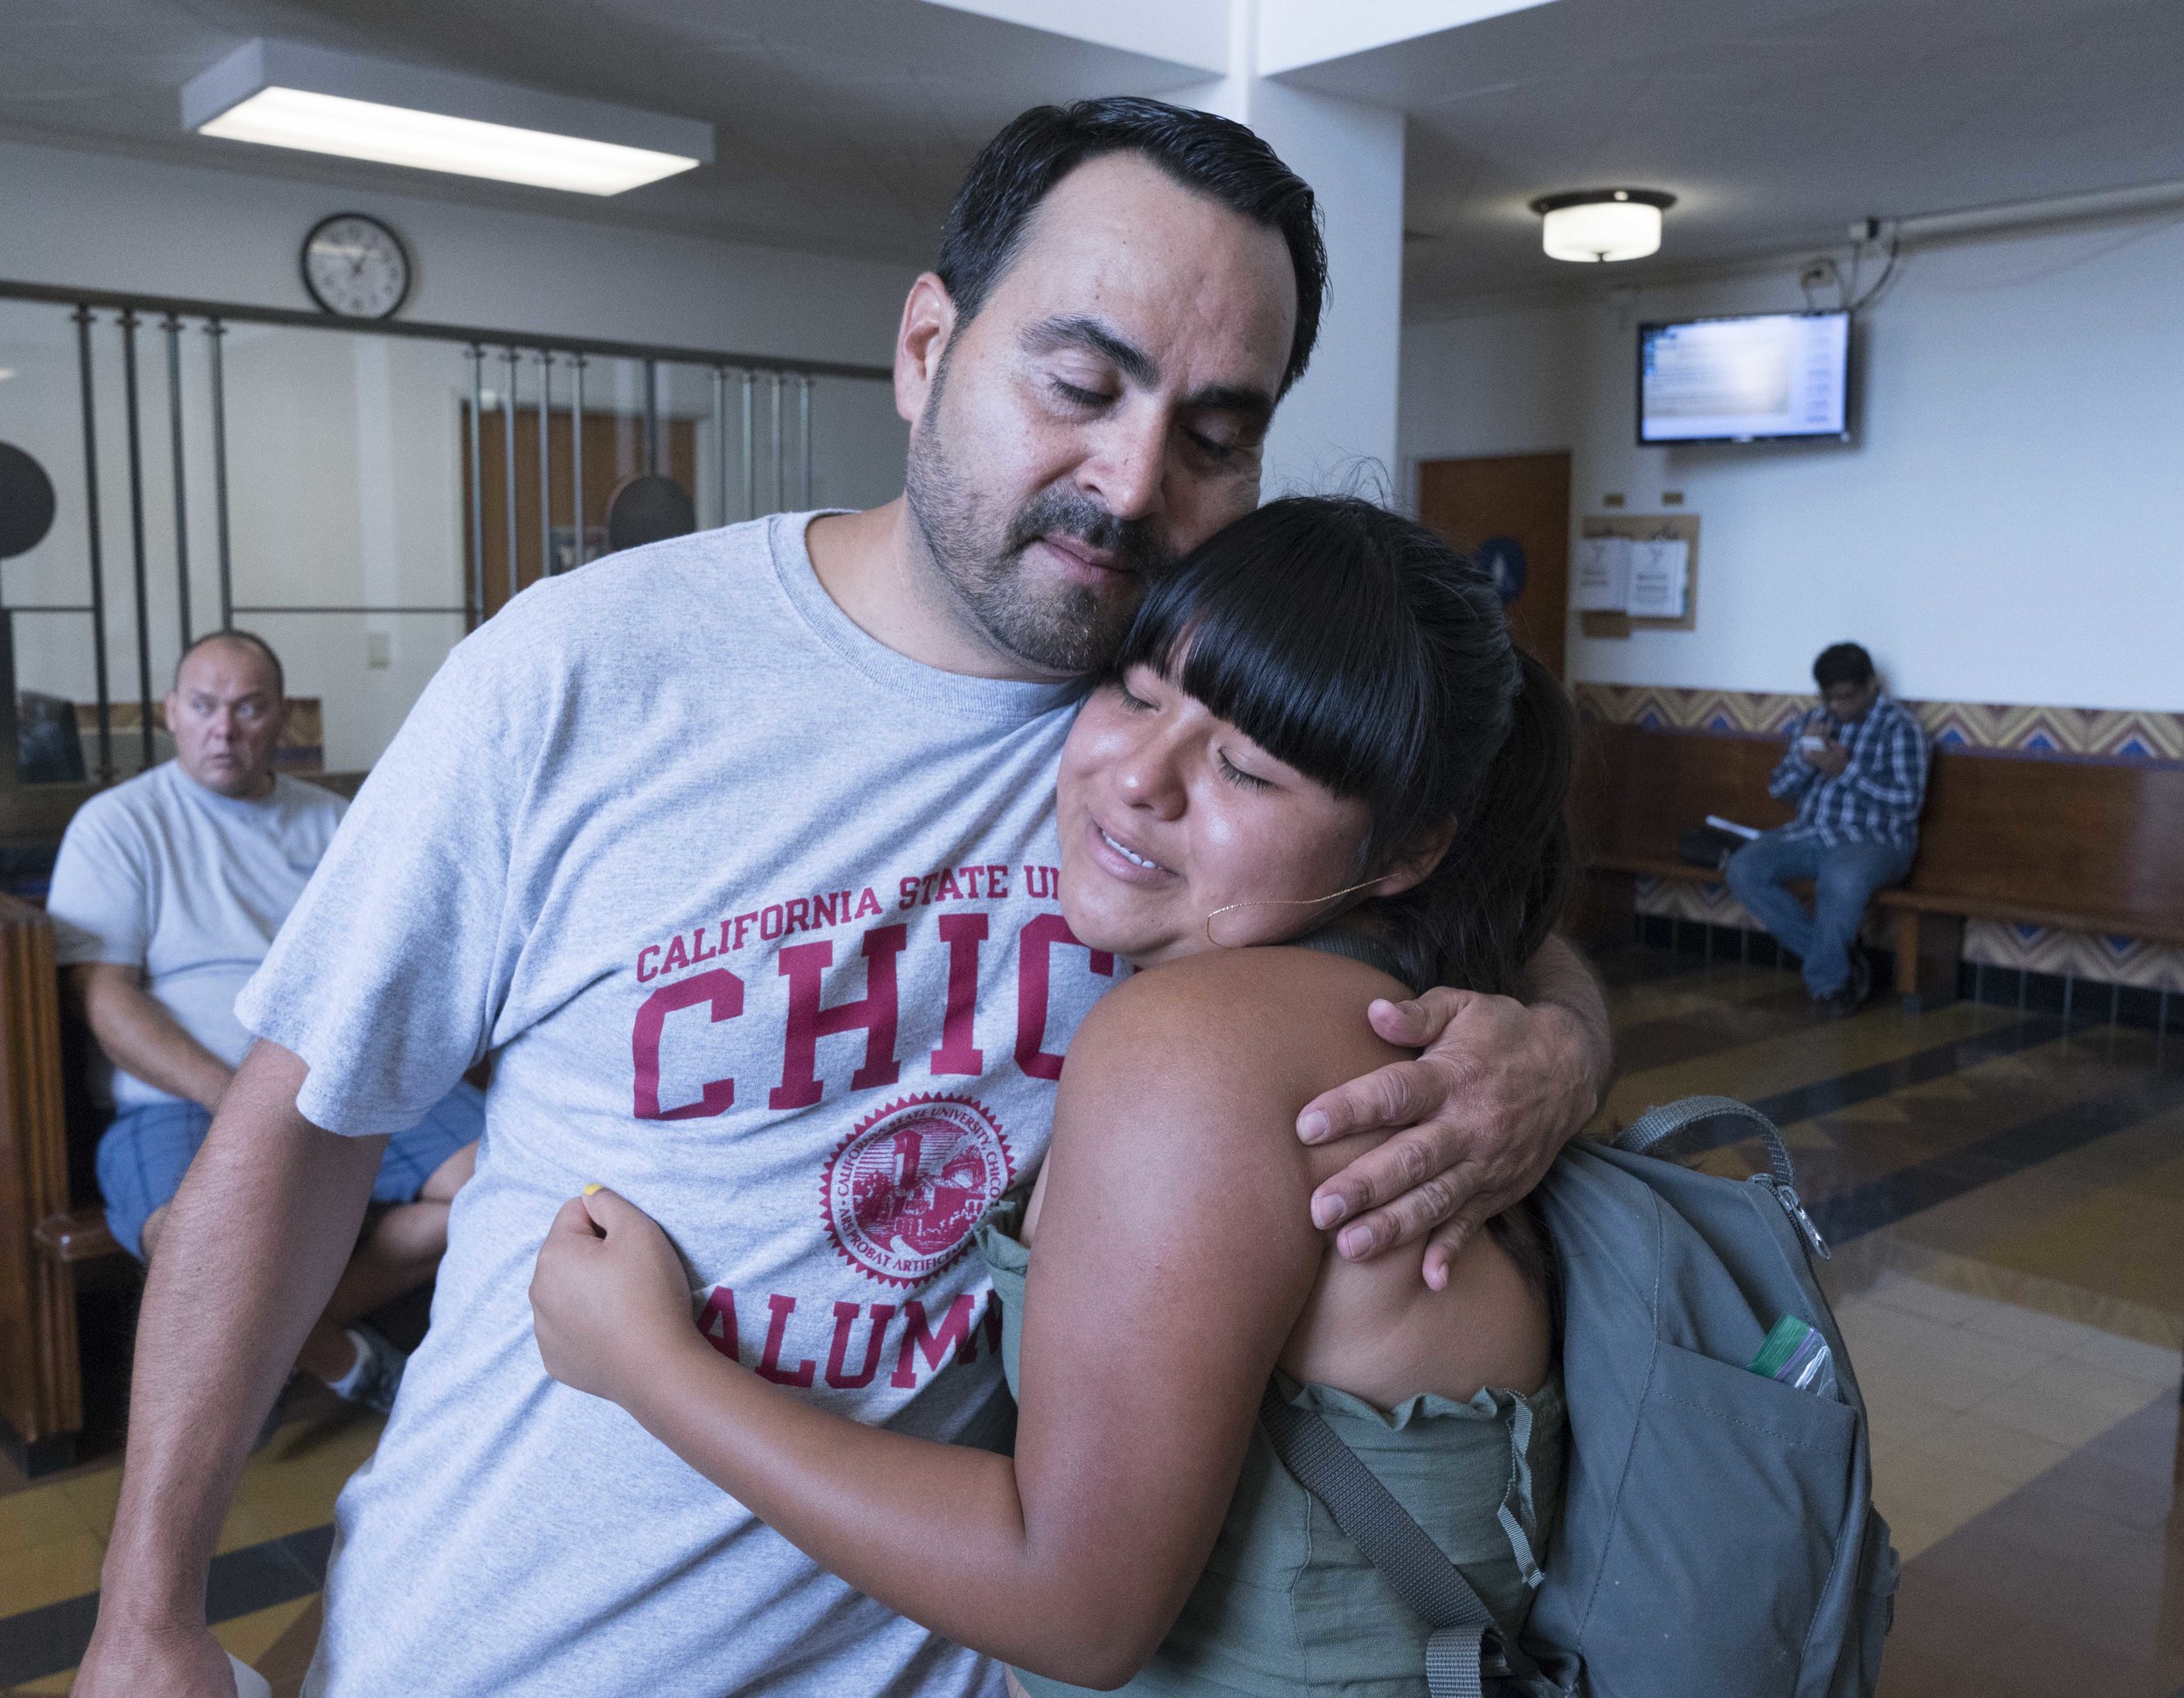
(1786, 1195)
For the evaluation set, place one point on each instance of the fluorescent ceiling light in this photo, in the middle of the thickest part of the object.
(286, 96)
(433, 142)
(1595, 224)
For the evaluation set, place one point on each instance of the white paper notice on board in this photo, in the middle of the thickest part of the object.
(1603, 584)
(1659, 575)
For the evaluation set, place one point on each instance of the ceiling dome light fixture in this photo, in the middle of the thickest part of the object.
(1596, 225)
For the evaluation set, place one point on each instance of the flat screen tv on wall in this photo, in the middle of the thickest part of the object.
(1757, 378)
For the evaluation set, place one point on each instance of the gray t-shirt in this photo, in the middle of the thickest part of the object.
(760, 918)
(162, 874)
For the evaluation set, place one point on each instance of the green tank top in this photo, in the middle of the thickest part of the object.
(1287, 1605)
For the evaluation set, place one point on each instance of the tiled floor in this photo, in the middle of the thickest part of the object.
(2006, 1196)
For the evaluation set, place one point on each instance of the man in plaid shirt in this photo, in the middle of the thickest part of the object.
(1856, 765)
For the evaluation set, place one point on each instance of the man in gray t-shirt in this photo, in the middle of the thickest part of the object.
(167, 893)
(738, 852)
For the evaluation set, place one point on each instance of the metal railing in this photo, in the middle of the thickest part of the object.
(514, 349)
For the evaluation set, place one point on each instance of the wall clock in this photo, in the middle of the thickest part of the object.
(356, 267)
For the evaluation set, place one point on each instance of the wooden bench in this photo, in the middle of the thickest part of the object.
(50, 1220)
(2087, 846)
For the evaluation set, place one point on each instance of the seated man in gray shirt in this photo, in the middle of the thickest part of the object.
(166, 896)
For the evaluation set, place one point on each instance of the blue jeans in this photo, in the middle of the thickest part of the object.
(1844, 878)
(143, 1155)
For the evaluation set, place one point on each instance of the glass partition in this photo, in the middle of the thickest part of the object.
(361, 498)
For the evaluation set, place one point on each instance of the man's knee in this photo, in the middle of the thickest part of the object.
(451, 1176)
(1747, 870)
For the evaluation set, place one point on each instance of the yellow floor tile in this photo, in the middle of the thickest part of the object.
(1926, 1497)
(94, 1496)
(2156, 1364)
(2003, 1452)
(2067, 1403)
(32, 1576)
(249, 1637)
(40, 1516)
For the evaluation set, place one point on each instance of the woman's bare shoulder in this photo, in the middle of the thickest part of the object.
(1284, 1021)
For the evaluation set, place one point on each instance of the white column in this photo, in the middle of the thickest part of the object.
(1337, 428)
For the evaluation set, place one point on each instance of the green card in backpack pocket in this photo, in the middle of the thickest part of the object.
(1773, 1463)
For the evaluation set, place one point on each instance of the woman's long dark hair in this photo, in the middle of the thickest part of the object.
(1365, 652)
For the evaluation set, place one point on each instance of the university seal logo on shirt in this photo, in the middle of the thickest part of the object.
(902, 1192)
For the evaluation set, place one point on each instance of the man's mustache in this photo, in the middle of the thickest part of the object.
(1134, 543)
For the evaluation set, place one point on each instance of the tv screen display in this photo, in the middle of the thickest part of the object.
(1744, 379)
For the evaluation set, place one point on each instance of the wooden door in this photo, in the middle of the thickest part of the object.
(613, 450)
(1513, 510)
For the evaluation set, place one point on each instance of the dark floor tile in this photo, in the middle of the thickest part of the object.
(2008, 1150)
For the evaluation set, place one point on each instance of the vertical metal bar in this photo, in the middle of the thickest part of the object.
(173, 327)
(215, 332)
(508, 432)
(136, 536)
(477, 591)
(774, 400)
(575, 465)
(720, 438)
(751, 453)
(545, 464)
(652, 416)
(804, 440)
(98, 558)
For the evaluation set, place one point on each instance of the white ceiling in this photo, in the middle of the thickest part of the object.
(843, 124)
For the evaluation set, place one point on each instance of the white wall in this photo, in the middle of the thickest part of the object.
(113, 222)
(345, 450)
(2007, 527)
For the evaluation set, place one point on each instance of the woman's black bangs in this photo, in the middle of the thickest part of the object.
(1301, 645)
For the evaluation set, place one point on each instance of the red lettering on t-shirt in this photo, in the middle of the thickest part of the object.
(963, 933)
(718, 1323)
(954, 1332)
(769, 1363)
(838, 1374)
(678, 955)
(867, 903)
(1033, 946)
(874, 1012)
(723, 993)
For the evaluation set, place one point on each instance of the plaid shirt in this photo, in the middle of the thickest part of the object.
(1876, 798)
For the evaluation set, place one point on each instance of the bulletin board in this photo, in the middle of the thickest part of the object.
(1646, 528)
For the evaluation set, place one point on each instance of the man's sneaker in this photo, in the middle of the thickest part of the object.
(1850, 995)
(378, 1375)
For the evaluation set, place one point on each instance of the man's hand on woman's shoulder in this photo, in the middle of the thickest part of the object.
(1481, 1114)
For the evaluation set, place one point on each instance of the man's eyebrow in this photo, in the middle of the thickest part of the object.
(1079, 330)
(1256, 405)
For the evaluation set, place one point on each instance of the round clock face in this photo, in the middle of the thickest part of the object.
(355, 266)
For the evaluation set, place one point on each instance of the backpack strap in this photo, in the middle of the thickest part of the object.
(1466, 1646)
(1658, 1124)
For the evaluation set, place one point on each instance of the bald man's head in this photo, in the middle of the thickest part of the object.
(226, 711)
(249, 640)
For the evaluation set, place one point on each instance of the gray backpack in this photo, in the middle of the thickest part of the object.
(1718, 1530)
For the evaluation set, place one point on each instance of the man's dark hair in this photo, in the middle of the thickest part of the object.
(1842, 663)
(1217, 156)
(250, 639)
